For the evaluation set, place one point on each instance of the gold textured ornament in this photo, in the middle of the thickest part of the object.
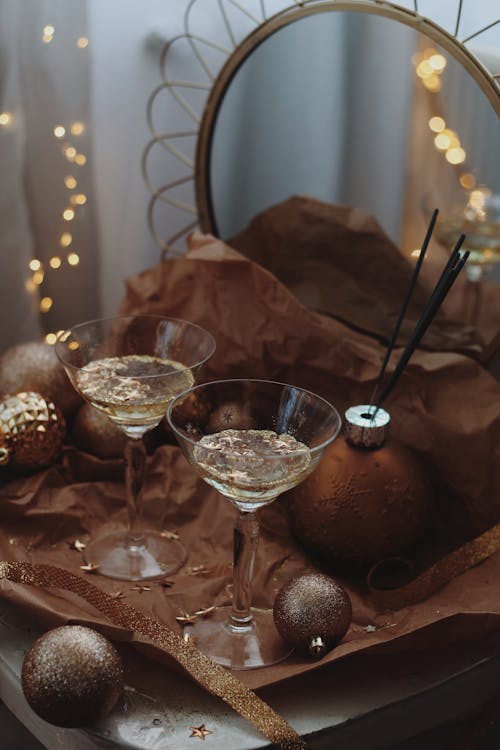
(367, 500)
(72, 676)
(34, 366)
(32, 431)
(312, 612)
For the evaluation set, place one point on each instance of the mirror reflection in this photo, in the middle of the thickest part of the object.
(358, 110)
(355, 109)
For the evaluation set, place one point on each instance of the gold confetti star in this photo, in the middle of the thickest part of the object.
(169, 534)
(89, 568)
(195, 570)
(203, 612)
(190, 619)
(200, 731)
(187, 619)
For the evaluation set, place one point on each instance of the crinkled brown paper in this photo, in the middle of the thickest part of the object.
(446, 406)
(338, 260)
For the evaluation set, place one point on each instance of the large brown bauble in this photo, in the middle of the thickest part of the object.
(72, 676)
(361, 505)
(33, 366)
(95, 433)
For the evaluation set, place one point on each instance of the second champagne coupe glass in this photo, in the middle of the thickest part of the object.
(251, 440)
(130, 368)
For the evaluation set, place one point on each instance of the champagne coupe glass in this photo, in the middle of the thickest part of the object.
(251, 440)
(130, 368)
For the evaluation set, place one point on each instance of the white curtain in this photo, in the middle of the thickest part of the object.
(19, 308)
(46, 196)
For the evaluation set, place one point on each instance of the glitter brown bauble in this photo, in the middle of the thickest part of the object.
(312, 612)
(32, 430)
(361, 505)
(33, 366)
(72, 676)
(95, 433)
(230, 416)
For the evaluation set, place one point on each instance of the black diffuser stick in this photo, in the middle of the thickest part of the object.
(404, 307)
(445, 283)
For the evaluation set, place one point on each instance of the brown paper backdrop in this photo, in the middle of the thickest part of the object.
(446, 406)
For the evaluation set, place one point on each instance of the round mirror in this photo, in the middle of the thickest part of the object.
(349, 108)
(354, 109)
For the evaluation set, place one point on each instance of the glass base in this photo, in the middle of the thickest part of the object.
(151, 556)
(250, 647)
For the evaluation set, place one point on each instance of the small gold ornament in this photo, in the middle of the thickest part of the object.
(32, 430)
(312, 612)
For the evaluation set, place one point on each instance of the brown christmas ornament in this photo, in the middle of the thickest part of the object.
(72, 676)
(93, 432)
(312, 612)
(368, 499)
(34, 366)
(32, 431)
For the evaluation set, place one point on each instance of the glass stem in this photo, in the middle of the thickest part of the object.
(246, 539)
(135, 466)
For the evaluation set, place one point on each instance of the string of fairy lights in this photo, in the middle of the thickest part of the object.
(429, 66)
(64, 252)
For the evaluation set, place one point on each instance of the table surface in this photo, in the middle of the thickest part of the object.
(361, 702)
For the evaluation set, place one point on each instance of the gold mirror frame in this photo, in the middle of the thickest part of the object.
(197, 211)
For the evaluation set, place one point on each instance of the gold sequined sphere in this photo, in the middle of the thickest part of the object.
(309, 607)
(72, 676)
(32, 430)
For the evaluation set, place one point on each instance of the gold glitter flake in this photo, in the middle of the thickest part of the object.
(141, 589)
(117, 595)
(78, 545)
(200, 731)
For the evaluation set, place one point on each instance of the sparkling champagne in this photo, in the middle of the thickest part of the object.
(134, 389)
(252, 466)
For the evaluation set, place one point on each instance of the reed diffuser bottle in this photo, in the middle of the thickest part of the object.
(369, 499)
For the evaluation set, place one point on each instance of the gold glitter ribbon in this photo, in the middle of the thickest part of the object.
(442, 572)
(207, 673)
